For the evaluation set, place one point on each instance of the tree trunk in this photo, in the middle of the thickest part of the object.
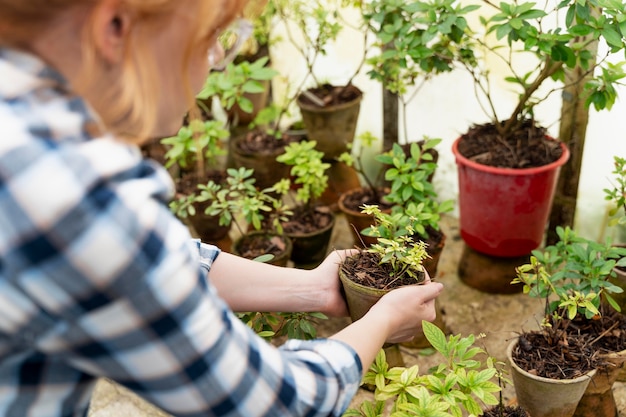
(573, 131)
(390, 119)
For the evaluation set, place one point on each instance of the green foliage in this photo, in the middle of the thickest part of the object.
(617, 194)
(308, 170)
(571, 276)
(197, 142)
(231, 85)
(416, 40)
(293, 325)
(239, 197)
(456, 387)
(426, 37)
(395, 244)
(410, 188)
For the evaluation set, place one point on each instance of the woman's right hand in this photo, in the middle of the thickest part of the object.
(403, 310)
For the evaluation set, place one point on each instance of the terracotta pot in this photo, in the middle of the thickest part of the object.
(502, 211)
(598, 399)
(341, 178)
(360, 299)
(267, 171)
(431, 264)
(332, 127)
(310, 249)
(545, 397)
(280, 260)
(358, 221)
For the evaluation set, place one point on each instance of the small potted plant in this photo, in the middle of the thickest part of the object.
(461, 384)
(310, 226)
(239, 199)
(574, 342)
(192, 157)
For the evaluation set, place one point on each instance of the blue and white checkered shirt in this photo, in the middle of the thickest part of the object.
(98, 279)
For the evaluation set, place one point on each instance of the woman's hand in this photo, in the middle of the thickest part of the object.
(327, 273)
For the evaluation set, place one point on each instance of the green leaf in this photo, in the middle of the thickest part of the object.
(435, 336)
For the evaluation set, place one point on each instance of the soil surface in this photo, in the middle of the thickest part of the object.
(508, 411)
(260, 142)
(356, 200)
(574, 349)
(254, 246)
(304, 221)
(332, 95)
(528, 147)
(364, 268)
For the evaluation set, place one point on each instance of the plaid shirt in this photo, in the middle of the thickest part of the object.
(98, 279)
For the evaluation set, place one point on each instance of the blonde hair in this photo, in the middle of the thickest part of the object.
(136, 100)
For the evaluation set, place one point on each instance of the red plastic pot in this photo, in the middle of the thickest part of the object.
(504, 211)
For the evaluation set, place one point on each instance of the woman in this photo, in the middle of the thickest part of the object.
(97, 278)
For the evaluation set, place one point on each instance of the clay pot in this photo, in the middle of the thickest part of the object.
(332, 127)
(310, 249)
(267, 171)
(280, 259)
(502, 211)
(598, 399)
(545, 397)
(358, 221)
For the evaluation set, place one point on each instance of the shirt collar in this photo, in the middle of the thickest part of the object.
(22, 72)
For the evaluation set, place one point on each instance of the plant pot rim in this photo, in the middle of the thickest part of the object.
(509, 354)
(328, 109)
(461, 160)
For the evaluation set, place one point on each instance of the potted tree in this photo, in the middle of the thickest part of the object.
(461, 384)
(310, 225)
(329, 112)
(572, 277)
(508, 167)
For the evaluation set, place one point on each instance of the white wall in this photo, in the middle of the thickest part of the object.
(447, 106)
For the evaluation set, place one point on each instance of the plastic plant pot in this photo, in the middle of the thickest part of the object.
(504, 211)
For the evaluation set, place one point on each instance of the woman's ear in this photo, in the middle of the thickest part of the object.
(110, 30)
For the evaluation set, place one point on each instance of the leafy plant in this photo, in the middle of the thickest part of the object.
(238, 79)
(411, 191)
(415, 41)
(196, 144)
(395, 246)
(561, 38)
(617, 194)
(572, 276)
(293, 325)
(458, 385)
(239, 197)
(308, 171)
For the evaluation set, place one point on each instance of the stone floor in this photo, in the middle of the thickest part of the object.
(463, 309)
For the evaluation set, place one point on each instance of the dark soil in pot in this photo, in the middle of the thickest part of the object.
(506, 411)
(253, 245)
(526, 148)
(365, 269)
(544, 353)
(332, 95)
(259, 142)
(304, 221)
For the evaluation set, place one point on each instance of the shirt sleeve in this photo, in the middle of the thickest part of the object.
(126, 287)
